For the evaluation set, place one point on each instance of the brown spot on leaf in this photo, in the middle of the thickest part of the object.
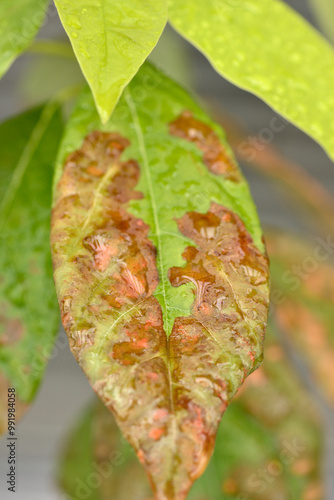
(314, 491)
(12, 330)
(303, 466)
(215, 155)
(229, 276)
(230, 486)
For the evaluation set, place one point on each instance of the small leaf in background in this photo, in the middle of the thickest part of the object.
(29, 316)
(19, 23)
(160, 272)
(268, 49)
(111, 40)
(304, 289)
(97, 446)
(267, 447)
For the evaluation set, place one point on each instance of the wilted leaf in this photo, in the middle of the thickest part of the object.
(267, 447)
(19, 23)
(303, 300)
(111, 40)
(29, 316)
(160, 272)
(266, 48)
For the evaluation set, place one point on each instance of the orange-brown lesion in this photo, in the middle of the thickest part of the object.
(11, 329)
(230, 277)
(113, 246)
(221, 266)
(215, 155)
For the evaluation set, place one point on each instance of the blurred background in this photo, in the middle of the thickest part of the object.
(271, 153)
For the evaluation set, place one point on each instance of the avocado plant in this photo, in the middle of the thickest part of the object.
(158, 264)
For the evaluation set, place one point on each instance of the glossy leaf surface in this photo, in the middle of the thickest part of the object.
(268, 49)
(303, 284)
(159, 270)
(267, 447)
(29, 316)
(19, 23)
(111, 40)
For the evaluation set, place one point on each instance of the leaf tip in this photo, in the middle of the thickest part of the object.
(103, 114)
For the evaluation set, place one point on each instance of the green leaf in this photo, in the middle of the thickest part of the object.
(159, 270)
(111, 40)
(29, 316)
(266, 447)
(19, 24)
(324, 10)
(266, 48)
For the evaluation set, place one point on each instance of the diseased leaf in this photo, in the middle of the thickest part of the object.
(19, 24)
(266, 447)
(29, 316)
(160, 272)
(303, 284)
(268, 49)
(111, 40)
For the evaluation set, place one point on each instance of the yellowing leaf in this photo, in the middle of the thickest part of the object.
(19, 23)
(111, 40)
(266, 48)
(162, 287)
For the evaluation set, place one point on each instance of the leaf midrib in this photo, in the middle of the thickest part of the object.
(139, 132)
(142, 149)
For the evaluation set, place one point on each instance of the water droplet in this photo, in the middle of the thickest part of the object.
(75, 24)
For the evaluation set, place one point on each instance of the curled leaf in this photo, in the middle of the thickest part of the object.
(163, 290)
